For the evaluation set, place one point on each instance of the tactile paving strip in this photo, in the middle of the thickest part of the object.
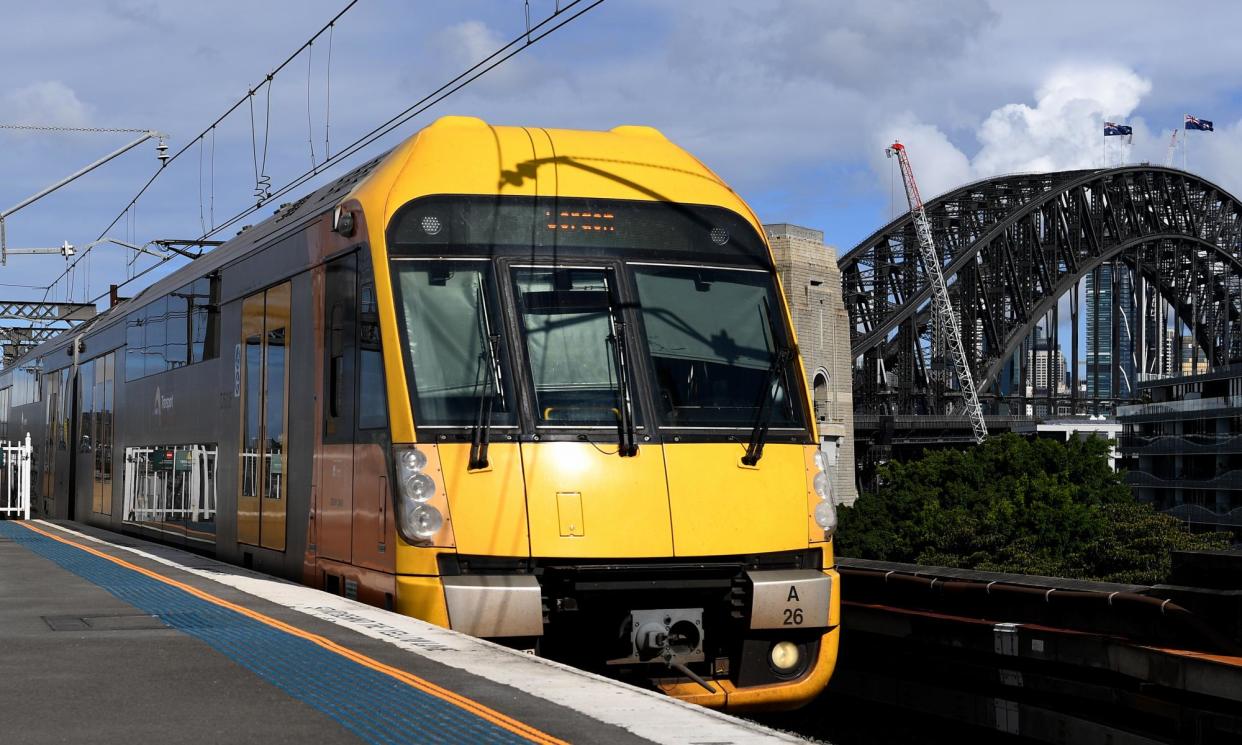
(374, 706)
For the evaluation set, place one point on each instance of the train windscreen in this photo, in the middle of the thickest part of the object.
(451, 324)
(713, 336)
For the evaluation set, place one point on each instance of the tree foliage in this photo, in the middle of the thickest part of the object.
(1029, 506)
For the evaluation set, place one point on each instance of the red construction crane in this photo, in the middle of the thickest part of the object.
(944, 320)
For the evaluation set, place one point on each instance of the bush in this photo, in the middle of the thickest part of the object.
(1027, 506)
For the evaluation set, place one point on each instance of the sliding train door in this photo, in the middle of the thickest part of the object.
(335, 457)
(352, 513)
(262, 495)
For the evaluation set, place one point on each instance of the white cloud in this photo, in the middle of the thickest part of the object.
(49, 103)
(463, 45)
(937, 163)
(1062, 130)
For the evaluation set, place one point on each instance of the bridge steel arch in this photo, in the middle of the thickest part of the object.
(1012, 247)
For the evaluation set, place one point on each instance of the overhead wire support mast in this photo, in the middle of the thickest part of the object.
(162, 154)
(538, 32)
(941, 304)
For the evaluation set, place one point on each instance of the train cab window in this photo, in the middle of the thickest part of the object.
(454, 354)
(569, 322)
(713, 336)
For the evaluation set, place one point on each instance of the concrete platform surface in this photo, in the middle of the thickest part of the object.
(111, 639)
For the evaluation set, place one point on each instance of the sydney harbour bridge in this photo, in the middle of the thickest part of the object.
(1015, 251)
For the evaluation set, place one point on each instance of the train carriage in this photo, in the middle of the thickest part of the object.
(540, 386)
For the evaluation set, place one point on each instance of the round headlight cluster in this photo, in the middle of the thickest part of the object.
(419, 520)
(826, 511)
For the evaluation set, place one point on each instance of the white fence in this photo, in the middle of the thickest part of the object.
(15, 464)
(171, 483)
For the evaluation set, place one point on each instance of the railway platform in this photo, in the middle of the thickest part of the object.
(110, 639)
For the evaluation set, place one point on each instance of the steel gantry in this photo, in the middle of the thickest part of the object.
(17, 340)
(1011, 249)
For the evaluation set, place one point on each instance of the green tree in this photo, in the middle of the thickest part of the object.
(1030, 506)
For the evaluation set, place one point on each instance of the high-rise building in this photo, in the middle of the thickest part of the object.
(1047, 360)
(1110, 288)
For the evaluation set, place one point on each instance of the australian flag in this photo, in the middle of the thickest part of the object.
(1112, 129)
(1200, 124)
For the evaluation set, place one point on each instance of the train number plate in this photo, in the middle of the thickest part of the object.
(789, 599)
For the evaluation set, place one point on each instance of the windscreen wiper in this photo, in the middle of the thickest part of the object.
(627, 442)
(480, 435)
(759, 434)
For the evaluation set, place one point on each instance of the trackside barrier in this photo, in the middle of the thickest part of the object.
(15, 464)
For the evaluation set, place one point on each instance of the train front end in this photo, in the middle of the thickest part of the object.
(604, 445)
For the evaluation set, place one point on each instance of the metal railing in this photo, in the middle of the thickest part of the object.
(15, 479)
(169, 484)
(1177, 407)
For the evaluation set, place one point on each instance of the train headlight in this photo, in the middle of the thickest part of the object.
(826, 516)
(822, 485)
(417, 519)
(423, 521)
(415, 485)
(418, 487)
(821, 460)
(784, 656)
(825, 512)
(413, 459)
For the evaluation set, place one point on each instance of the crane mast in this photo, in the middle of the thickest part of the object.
(1168, 156)
(944, 319)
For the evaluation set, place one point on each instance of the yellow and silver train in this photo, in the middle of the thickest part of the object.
(537, 385)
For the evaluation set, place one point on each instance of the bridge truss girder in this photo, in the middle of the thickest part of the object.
(1012, 248)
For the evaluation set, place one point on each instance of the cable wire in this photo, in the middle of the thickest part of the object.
(501, 55)
(209, 129)
(481, 68)
(310, 129)
(39, 128)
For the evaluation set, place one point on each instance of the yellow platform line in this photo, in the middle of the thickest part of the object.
(497, 718)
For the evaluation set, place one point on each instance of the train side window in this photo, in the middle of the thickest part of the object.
(135, 343)
(176, 329)
(340, 350)
(205, 321)
(157, 337)
(372, 411)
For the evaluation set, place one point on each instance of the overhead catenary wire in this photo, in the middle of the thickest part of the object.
(500, 56)
(310, 128)
(327, 85)
(41, 128)
(210, 129)
(537, 32)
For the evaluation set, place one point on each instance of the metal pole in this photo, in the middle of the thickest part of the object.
(78, 174)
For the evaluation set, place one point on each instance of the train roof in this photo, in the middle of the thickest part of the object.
(465, 155)
(288, 218)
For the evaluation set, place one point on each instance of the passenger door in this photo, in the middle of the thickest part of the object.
(84, 450)
(261, 502)
(335, 493)
(372, 500)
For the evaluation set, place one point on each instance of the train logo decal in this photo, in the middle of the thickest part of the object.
(162, 403)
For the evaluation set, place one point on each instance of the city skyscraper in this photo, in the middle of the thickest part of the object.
(1110, 288)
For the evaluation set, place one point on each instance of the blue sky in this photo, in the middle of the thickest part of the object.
(790, 101)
